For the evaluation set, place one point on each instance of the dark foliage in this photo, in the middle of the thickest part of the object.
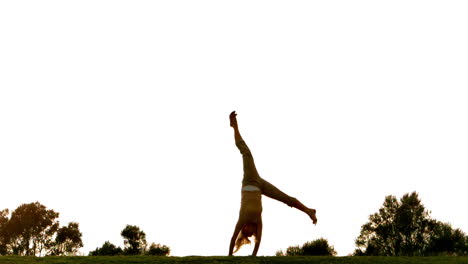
(32, 231)
(67, 241)
(318, 247)
(404, 228)
(135, 244)
(134, 240)
(4, 239)
(107, 249)
(158, 250)
(444, 240)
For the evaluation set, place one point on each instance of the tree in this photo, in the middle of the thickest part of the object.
(3, 232)
(404, 228)
(67, 240)
(446, 240)
(31, 229)
(158, 250)
(107, 249)
(134, 240)
(318, 247)
(135, 244)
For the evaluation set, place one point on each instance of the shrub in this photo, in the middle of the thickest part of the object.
(318, 247)
(107, 249)
(158, 250)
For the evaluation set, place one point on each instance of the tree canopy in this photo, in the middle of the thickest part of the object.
(404, 228)
(32, 231)
(134, 240)
(67, 240)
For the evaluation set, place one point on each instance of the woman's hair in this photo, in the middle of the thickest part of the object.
(243, 239)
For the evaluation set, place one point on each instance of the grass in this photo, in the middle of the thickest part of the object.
(228, 260)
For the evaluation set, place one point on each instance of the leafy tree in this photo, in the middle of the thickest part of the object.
(318, 247)
(399, 228)
(3, 232)
(404, 228)
(158, 250)
(31, 229)
(67, 240)
(107, 249)
(134, 240)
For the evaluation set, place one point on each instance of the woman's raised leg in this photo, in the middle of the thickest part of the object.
(271, 191)
(250, 171)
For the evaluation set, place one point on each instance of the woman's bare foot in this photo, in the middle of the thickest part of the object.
(312, 215)
(233, 119)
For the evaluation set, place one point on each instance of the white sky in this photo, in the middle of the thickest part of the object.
(116, 112)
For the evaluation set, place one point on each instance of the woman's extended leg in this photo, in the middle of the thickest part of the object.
(251, 176)
(271, 191)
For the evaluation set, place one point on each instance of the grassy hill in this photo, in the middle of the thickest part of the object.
(227, 260)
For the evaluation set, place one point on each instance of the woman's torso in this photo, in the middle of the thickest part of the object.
(251, 206)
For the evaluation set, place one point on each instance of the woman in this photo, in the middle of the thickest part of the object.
(253, 186)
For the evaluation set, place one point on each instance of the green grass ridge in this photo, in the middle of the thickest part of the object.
(228, 260)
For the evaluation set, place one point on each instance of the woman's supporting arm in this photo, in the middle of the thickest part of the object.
(234, 237)
(258, 238)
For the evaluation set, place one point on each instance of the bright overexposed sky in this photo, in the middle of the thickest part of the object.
(116, 113)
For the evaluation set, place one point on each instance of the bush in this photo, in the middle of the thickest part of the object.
(318, 247)
(107, 249)
(135, 244)
(446, 241)
(158, 250)
(294, 251)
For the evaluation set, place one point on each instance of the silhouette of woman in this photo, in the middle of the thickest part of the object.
(253, 186)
